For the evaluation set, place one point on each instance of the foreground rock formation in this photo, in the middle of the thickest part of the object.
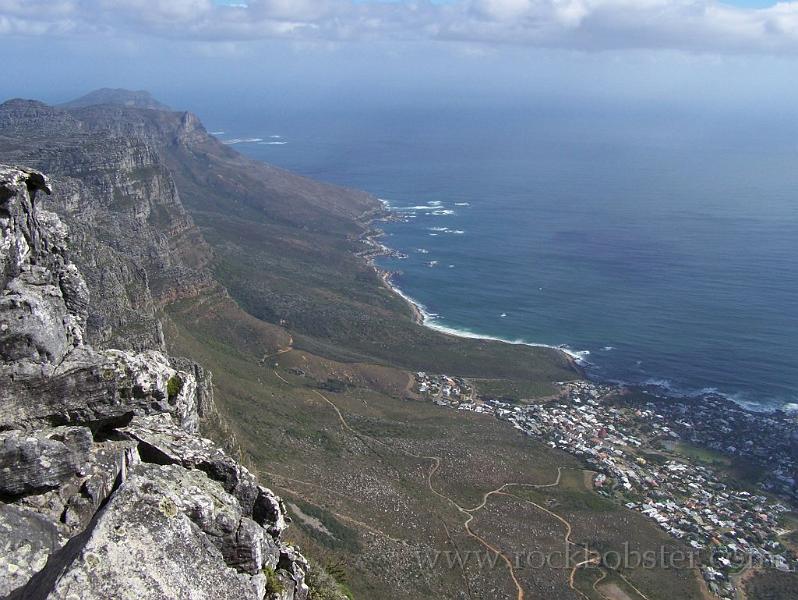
(106, 490)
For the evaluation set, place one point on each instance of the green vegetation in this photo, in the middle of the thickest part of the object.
(273, 583)
(511, 390)
(568, 500)
(654, 458)
(701, 454)
(737, 471)
(174, 386)
(772, 585)
(372, 491)
(340, 536)
(575, 480)
(584, 580)
(789, 522)
(587, 501)
(334, 385)
(327, 583)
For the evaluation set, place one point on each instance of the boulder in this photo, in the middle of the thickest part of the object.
(96, 388)
(149, 543)
(27, 539)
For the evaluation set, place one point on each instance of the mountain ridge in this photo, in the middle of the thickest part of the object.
(121, 96)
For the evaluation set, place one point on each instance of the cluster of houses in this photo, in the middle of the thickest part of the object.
(714, 422)
(728, 529)
(446, 391)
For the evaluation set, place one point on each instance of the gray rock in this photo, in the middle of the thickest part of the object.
(131, 237)
(291, 569)
(38, 461)
(26, 541)
(35, 322)
(105, 489)
(108, 466)
(73, 503)
(147, 543)
(162, 442)
(32, 314)
(94, 388)
(204, 379)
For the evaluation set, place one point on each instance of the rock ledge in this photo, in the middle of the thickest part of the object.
(106, 490)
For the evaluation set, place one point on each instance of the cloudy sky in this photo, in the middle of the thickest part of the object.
(316, 50)
(708, 25)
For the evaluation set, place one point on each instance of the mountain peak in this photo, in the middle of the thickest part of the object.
(118, 96)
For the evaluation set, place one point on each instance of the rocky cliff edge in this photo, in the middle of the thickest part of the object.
(106, 490)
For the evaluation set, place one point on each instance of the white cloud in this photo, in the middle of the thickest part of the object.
(694, 25)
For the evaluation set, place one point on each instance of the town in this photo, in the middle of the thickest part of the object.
(626, 439)
(445, 390)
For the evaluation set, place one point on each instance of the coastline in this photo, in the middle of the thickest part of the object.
(421, 316)
(419, 313)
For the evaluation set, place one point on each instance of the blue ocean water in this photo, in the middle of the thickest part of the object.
(662, 243)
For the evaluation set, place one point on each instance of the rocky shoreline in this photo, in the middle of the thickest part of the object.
(376, 249)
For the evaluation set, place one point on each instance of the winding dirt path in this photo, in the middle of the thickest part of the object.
(470, 513)
(280, 377)
(280, 351)
(568, 542)
(631, 585)
(347, 518)
(598, 581)
(591, 557)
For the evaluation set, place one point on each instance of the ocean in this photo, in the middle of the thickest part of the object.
(660, 245)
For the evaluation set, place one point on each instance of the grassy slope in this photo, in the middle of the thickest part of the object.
(304, 272)
(369, 489)
(772, 585)
(371, 492)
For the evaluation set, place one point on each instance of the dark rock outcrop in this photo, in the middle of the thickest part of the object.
(32, 462)
(105, 488)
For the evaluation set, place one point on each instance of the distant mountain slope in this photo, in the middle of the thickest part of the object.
(131, 99)
(136, 181)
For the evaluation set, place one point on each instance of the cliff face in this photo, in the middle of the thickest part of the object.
(106, 490)
(131, 237)
(124, 176)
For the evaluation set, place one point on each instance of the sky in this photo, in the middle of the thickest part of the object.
(313, 53)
